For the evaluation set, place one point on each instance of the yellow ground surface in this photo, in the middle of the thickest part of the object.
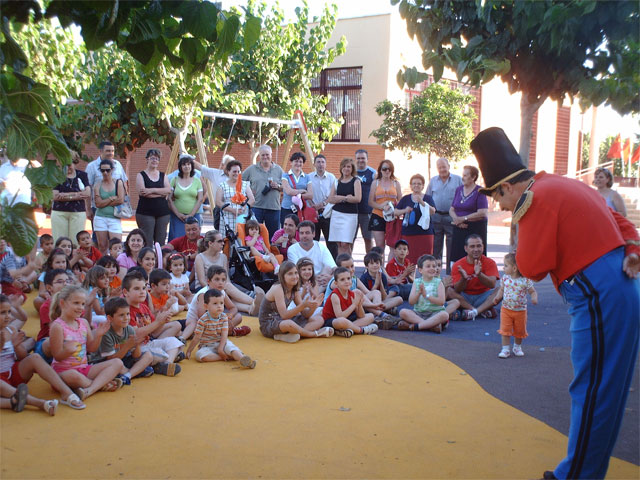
(364, 407)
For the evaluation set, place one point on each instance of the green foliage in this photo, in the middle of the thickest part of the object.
(438, 120)
(273, 78)
(40, 66)
(545, 49)
(18, 226)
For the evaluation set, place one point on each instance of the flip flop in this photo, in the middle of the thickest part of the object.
(51, 407)
(73, 401)
(19, 399)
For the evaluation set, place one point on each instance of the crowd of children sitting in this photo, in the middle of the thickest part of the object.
(101, 327)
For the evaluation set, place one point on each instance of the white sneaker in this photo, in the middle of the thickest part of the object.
(324, 332)
(517, 351)
(287, 337)
(504, 353)
(370, 329)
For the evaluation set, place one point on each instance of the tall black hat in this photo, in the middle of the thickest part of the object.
(497, 158)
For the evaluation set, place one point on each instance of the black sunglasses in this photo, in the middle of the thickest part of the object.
(105, 170)
(385, 169)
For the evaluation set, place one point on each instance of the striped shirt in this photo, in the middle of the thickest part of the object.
(211, 328)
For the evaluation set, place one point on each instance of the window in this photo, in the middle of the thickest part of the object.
(476, 104)
(344, 87)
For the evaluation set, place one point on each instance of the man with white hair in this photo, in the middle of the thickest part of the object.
(442, 189)
(265, 181)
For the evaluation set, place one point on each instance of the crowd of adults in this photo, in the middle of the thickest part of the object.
(356, 198)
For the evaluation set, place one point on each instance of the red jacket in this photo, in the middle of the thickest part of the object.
(567, 227)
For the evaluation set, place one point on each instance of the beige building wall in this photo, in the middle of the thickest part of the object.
(368, 46)
(381, 45)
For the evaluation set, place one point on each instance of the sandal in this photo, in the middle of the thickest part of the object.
(112, 385)
(51, 407)
(81, 393)
(325, 332)
(74, 402)
(241, 331)
(179, 357)
(19, 399)
(246, 362)
(346, 333)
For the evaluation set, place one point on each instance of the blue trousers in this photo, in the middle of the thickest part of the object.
(605, 313)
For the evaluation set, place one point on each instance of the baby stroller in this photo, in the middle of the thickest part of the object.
(242, 267)
(262, 265)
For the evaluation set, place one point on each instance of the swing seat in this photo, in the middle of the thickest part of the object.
(261, 264)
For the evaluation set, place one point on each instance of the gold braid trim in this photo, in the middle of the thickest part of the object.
(523, 207)
(505, 179)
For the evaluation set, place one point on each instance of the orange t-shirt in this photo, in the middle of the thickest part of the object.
(159, 302)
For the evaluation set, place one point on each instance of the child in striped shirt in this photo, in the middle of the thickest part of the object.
(211, 334)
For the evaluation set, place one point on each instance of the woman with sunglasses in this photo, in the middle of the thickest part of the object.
(107, 194)
(152, 214)
(71, 206)
(385, 189)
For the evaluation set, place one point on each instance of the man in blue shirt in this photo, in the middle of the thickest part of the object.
(442, 189)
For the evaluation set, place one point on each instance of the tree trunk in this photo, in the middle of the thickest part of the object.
(528, 108)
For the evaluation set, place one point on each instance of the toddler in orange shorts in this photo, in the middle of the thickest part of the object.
(513, 314)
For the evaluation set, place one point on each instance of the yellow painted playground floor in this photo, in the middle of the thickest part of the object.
(364, 407)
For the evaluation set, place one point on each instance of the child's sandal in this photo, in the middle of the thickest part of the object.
(51, 407)
(74, 402)
(81, 393)
(19, 399)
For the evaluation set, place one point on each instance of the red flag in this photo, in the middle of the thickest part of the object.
(626, 150)
(616, 149)
(636, 155)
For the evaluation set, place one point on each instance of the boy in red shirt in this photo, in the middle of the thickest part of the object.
(400, 270)
(157, 333)
(85, 245)
(343, 309)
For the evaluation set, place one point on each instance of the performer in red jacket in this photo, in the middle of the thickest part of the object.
(592, 253)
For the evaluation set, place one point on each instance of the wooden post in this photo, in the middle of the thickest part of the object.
(288, 144)
(173, 158)
(305, 139)
(202, 153)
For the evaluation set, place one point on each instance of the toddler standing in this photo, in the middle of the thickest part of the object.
(513, 314)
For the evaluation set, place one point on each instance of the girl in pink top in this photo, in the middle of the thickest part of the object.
(17, 367)
(71, 337)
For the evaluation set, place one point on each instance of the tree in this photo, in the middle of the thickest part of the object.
(274, 77)
(187, 34)
(438, 120)
(130, 103)
(543, 49)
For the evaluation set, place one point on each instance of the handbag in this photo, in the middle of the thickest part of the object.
(123, 210)
(307, 213)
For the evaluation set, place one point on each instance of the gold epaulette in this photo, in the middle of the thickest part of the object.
(523, 204)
